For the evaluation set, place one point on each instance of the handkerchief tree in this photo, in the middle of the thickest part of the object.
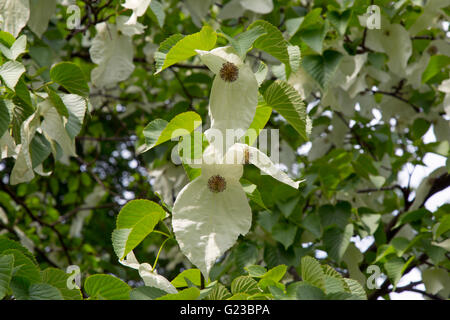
(227, 149)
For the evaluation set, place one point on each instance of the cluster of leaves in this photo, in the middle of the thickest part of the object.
(372, 95)
(21, 277)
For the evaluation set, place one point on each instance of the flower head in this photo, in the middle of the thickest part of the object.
(234, 93)
(212, 211)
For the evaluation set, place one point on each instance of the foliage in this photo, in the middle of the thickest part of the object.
(87, 121)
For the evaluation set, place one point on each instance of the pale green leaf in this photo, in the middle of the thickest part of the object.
(283, 98)
(185, 47)
(311, 272)
(193, 275)
(106, 287)
(70, 77)
(58, 279)
(336, 241)
(6, 268)
(146, 293)
(41, 12)
(159, 131)
(322, 67)
(186, 294)
(44, 291)
(244, 284)
(134, 222)
(10, 73)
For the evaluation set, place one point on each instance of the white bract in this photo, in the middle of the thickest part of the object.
(138, 6)
(113, 53)
(151, 277)
(234, 93)
(388, 40)
(14, 15)
(212, 211)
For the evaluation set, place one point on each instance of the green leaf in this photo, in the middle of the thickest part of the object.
(273, 43)
(244, 284)
(135, 221)
(341, 296)
(356, 288)
(246, 254)
(159, 131)
(294, 57)
(244, 41)
(24, 267)
(436, 281)
(329, 271)
(146, 293)
(395, 267)
(57, 102)
(6, 244)
(411, 216)
(336, 241)
(443, 227)
(276, 274)
(58, 279)
(255, 271)
(40, 149)
(219, 292)
(434, 67)
(313, 17)
(6, 268)
(284, 233)
(70, 77)
(186, 294)
(337, 215)
(6, 38)
(11, 72)
(278, 294)
(5, 117)
(239, 296)
(262, 116)
(253, 193)
(181, 48)
(322, 67)
(314, 37)
(333, 284)
(283, 98)
(164, 48)
(193, 275)
(44, 291)
(339, 20)
(311, 272)
(192, 173)
(106, 287)
(306, 291)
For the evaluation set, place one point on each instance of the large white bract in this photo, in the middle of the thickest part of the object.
(234, 92)
(138, 6)
(212, 211)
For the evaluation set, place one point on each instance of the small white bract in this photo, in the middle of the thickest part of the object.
(234, 93)
(212, 211)
(138, 6)
(151, 278)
